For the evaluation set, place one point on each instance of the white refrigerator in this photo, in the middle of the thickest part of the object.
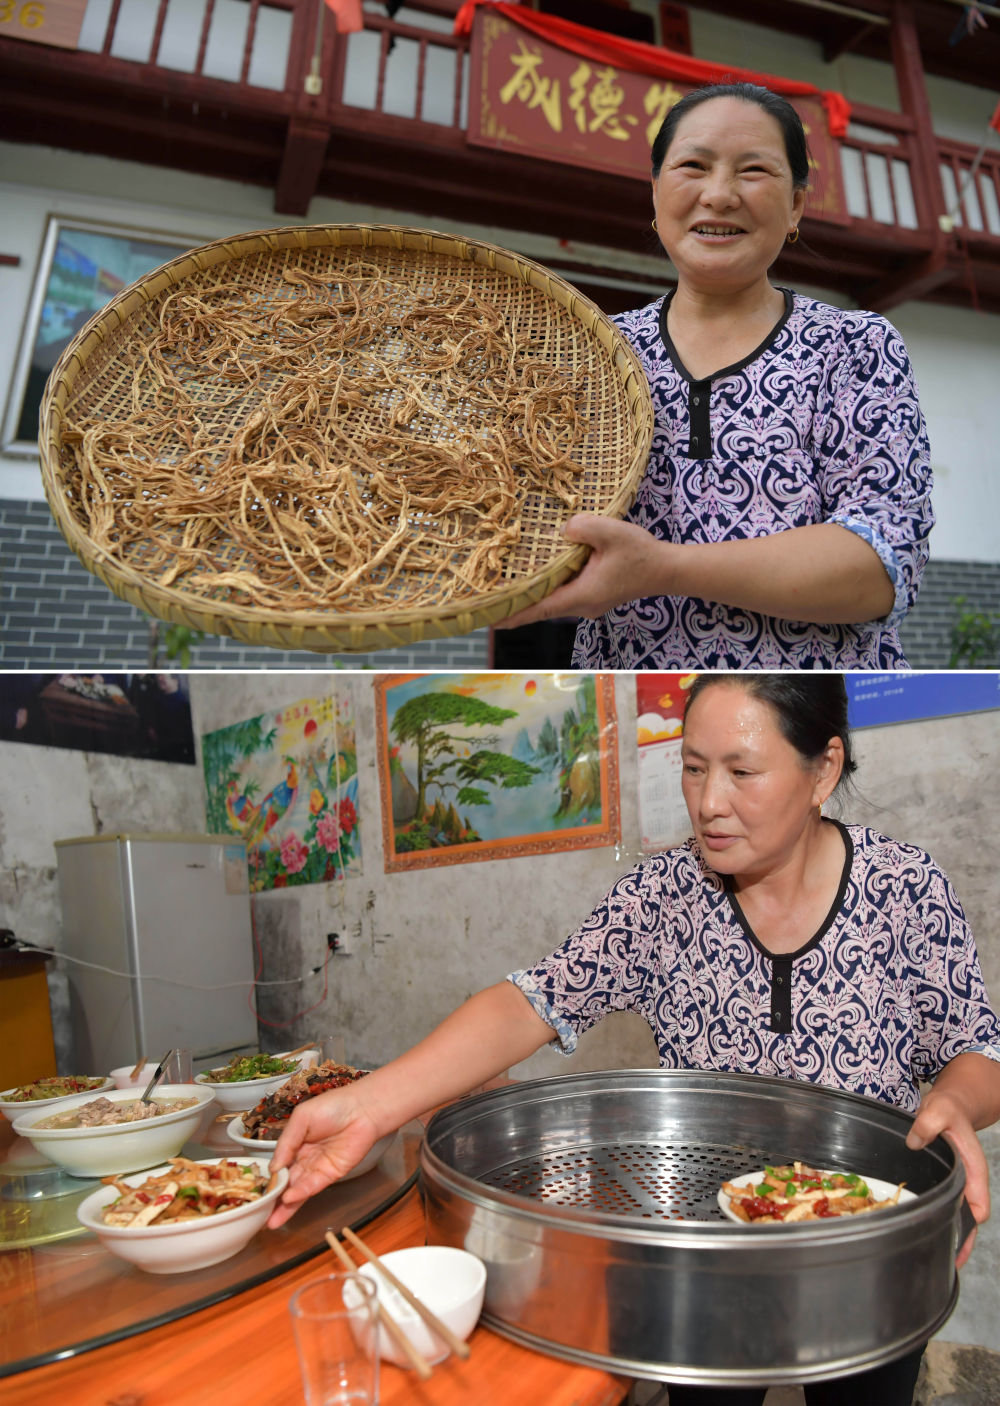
(160, 930)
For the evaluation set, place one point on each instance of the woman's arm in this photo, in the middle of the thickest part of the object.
(822, 574)
(965, 1096)
(328, 1135)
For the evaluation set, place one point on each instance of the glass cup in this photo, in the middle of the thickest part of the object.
(336, 1338)
(332, 1047)
(179, 1069)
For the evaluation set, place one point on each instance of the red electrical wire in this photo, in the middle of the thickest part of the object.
(278, 1024)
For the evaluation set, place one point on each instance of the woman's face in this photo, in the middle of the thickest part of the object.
(724, 199)
(749, 793)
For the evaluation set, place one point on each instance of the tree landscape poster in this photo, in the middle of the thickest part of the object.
(287, 782)
(479, 766)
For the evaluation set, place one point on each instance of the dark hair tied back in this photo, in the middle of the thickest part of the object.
(772, 103)
(810, 708)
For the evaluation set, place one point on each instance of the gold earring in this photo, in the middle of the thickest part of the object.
(793, 236)
(653, 223)
(820, 810)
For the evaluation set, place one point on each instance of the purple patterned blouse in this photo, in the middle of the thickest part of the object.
(819, 424)
(884, 995)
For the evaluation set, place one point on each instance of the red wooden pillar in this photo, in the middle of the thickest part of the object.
(928, 193)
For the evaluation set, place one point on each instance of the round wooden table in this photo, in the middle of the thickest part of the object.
(240, 1351)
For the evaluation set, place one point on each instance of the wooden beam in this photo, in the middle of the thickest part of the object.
(834, 48)
(913, 282)
(301, 162)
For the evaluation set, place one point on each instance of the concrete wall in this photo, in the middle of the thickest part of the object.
(417, 944)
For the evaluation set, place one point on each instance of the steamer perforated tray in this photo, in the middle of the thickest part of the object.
(648, 1179)
(592, 1199)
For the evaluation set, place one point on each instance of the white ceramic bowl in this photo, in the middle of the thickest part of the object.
(237, 1096)
(881, 1190)
(122, 1080)
(450, 1282)
(185, 1245)
(118, 1147)
(13, 1108)
(253, 1144)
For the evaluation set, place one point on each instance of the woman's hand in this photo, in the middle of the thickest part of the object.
(943, 1113)
(325, 1137)
(625, 563)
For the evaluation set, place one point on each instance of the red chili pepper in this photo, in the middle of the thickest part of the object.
(757, 1207)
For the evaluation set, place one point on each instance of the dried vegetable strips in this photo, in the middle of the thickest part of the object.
(337, 441)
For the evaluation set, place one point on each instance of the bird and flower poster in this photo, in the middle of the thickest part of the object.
(287, 783)
(484, 766)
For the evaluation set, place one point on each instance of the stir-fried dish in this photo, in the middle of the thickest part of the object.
(796, 1192)
(102, 1112)
(258, 1066)
(274, 1110)
(189, 1191)
(55, 1086)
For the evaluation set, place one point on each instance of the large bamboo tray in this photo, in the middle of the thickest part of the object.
(100, 380)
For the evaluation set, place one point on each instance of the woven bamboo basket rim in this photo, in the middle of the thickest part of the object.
(326, 629)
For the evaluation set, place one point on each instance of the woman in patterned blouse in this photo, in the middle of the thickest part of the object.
(774, 942)
(783, 518)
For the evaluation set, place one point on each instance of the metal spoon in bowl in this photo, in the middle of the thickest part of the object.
(157, 1076)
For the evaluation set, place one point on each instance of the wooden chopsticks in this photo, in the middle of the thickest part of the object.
(419, 1363)
(457, 1346)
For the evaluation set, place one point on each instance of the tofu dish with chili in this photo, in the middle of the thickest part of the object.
(269, 1117)
(188, 1191)
(796, 1192)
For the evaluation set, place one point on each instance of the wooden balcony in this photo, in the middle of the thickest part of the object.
(264, 91)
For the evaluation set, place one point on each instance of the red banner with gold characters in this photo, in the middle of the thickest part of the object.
(532, 97)
(56, 22)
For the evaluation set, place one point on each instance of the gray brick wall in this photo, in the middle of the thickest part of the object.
(55, 614)
(926, 632)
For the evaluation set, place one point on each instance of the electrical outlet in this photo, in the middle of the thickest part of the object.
(337, 943)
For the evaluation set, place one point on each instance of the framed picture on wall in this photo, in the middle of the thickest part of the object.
(491, 766)
(81, 267)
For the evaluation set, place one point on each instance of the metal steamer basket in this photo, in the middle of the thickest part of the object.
(592, 1198)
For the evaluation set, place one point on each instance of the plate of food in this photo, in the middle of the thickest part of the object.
(341, 437)
(240, 1084)
(791, 1192)
(260, 1127)
(184, 1215)
(115, 1132)
(40, 1093)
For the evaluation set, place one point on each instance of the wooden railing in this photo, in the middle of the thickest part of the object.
(971, 189)
(403, 75)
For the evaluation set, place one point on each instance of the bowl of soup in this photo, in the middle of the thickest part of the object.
(112, 1133)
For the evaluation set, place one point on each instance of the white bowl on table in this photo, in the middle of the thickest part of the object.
(240, 1095)
(236, 1131)
(117, 1148)
(448, 1281)
(181, 1245)
(13, 1108)
(123, 1077)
